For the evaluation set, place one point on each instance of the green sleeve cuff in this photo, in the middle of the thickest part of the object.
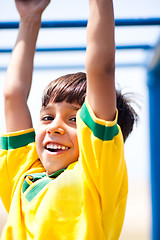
(17, 139)
(101, 129)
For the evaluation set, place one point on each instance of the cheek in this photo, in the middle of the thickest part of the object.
(38, 146)
(75, 140)
(39, 140)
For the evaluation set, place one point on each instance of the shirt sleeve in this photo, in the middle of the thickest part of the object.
(103, 166)
(17, 155)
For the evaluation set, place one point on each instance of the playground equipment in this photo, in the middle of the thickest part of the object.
(154, 100)
(153, 70)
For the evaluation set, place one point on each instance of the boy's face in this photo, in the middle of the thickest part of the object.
(56, 138)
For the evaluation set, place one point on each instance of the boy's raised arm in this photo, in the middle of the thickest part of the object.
(100, 59)
(20, 68)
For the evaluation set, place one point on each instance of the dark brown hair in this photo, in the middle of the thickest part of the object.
(72, 88)
(127, 116)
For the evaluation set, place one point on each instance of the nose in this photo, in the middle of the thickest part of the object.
(56, 127)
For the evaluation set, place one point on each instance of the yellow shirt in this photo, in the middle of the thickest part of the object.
(85, 202)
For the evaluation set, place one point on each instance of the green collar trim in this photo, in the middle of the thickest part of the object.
(102, 132)
(25, 186)
(36, 189)
(57, 173)
(31, 178)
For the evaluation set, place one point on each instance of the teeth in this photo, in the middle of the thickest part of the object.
(55, 146)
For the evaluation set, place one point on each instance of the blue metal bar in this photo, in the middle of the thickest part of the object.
(49, 49)
(78, 66)
(137, 22)
(154, 115)
(83, 48)
(83, 23)
(134, 47)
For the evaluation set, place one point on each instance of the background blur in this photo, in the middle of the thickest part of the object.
(130, 79)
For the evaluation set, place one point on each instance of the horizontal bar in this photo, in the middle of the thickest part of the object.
(67, 49)
(137, 22)
(79, 66)
(48, 49)
(136, 46)
(83, 23)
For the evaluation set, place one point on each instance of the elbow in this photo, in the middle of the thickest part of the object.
(99, 64)
(13, 97)
(9, 94)
(100, 70)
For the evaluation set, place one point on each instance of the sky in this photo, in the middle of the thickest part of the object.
(133, 79)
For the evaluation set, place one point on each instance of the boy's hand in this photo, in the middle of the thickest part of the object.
(31, 8)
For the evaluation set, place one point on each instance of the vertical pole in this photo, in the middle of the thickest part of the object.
(154, 117)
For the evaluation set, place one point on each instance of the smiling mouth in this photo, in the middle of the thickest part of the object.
(55, 147)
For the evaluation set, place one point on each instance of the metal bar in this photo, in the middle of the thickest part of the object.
(49, 49)
(134, 47)
(154, 117)
(83, 23)
(137, 22)
(83, 48)
(78, 66)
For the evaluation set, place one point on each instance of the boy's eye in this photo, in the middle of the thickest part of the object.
(47, 118)
(73, 119)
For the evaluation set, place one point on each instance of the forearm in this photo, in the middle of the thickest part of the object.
(19, 73)
(100, 36)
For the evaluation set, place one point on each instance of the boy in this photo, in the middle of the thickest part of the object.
(64, 187)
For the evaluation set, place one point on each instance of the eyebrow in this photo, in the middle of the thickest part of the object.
(73, 107)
